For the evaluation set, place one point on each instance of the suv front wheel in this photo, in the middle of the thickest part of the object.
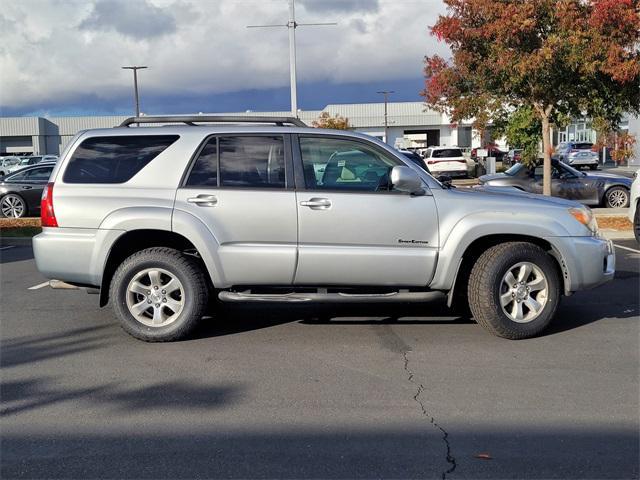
(514, 290)
(159, 294)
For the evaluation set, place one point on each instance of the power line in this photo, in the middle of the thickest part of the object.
(292, 25)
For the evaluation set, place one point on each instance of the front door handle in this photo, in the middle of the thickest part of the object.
(316, 203)
(204, 200)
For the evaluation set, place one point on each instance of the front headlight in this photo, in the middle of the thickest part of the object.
(584, 215)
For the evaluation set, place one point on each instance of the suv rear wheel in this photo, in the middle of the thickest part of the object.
(159, 294)
(514, 290)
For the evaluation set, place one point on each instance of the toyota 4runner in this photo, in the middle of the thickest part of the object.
(163, 219)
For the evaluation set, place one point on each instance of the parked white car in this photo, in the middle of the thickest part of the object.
(448, 161)
(634, 205)
(9, 164)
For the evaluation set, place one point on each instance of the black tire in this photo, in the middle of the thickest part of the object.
(613, 194)
(25, 207)
(636, 223)
(485, 283)
(183, 267)
(593, 167)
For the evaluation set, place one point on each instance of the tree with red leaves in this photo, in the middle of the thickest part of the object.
(559, 57)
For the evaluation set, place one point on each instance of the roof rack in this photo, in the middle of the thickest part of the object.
(194, 119)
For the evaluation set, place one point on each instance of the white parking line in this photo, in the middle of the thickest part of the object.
(7, 247)
(40, 285)
(627, 248)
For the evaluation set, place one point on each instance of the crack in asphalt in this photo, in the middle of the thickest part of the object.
(445, 435)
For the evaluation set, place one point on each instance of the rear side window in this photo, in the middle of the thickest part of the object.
(252, 162)
(114, 159)
(205, 171)
(240, 161)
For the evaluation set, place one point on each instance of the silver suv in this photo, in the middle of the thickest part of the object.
(163, 218)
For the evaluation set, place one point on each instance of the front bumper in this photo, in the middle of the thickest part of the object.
(586, 261)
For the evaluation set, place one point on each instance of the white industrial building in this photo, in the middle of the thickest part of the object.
(409, 124)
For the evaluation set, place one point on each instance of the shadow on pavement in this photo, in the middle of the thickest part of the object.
(239, 318)
(25, 395)
(34, 348)
(416, 452)
(15, 253)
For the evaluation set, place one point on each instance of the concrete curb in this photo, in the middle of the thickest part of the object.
(617, 234)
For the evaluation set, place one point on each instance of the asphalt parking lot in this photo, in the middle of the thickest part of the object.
(283, 392)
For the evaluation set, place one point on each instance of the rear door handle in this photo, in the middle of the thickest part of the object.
(204, 200)
(316, 203)
(26, 187)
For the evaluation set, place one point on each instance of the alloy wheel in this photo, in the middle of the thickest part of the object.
(12, 206)
(523, 292)
(617, 198)
(155, 297)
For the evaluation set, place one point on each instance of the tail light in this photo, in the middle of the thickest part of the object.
(47, 215)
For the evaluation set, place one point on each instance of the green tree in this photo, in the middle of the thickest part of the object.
(557, 57)
(521, 128)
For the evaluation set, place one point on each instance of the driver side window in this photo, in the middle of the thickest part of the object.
(539, 172)
(342, 164)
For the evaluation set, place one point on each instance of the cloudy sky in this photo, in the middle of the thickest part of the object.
(64, 56)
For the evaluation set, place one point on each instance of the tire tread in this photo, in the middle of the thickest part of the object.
(188, 266)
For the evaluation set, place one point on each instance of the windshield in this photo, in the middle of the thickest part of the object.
(566, 167)
(446, 153)
(515, 169)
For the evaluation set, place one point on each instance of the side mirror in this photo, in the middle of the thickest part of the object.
(404, 179)
(445, 180)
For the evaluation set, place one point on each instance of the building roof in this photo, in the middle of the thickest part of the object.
(360, 115)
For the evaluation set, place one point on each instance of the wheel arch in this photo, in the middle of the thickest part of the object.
(481, 244)
(135, 240)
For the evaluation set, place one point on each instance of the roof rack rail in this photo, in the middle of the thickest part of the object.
(194, 119)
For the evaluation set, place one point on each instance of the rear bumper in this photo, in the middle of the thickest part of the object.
(73, 255)
(583, 161)
(586, 261)
(451, 173)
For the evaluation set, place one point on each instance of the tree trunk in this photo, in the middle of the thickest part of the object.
(546, 148)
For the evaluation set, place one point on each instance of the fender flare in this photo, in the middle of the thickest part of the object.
(486, 224)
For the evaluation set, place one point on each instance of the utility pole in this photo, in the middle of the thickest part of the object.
(135, 85)
(386, 94)
(292, 25)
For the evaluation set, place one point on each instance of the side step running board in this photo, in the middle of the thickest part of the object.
(293, 297)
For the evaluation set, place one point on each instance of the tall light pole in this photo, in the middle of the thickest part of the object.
(292, 25)
(386, 94)
(135, 69)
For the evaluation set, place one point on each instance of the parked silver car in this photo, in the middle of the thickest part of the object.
(162, 218)
(577, 154)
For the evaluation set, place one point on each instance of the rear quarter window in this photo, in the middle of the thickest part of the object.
(114, 159)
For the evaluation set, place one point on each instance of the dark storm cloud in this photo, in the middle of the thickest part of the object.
(137, 19)
(342, 6)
